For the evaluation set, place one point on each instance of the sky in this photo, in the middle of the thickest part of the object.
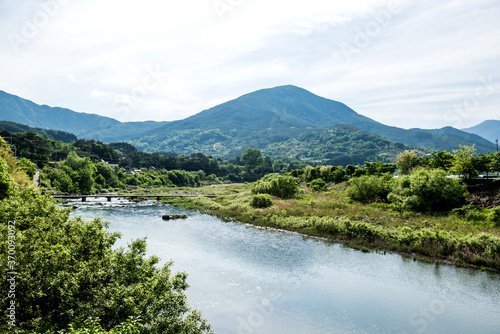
(405, 63)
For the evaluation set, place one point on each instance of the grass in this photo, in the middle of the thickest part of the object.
(464, 237)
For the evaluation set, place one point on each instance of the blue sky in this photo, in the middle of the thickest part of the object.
(404, 63)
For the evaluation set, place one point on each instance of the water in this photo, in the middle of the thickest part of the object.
(249, 280)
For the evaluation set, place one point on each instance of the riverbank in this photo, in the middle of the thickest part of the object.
(459, 238)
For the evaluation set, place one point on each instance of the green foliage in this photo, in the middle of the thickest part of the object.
(369, 188)
(338, 145)
(465, 162)
(407, 161)
(6, 182)
(494, 216)
(280, 186)
(326, 173)
(29, 167)
(68, 272)
(317, 185)
(443, 160)
(378, 168)
(261, 201)
(428, 190)
(9, 128)
(252, 158)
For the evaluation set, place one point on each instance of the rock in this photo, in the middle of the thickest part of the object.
(75, 207)
(174, 216)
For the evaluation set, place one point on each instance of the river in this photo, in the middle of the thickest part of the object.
(249, 280)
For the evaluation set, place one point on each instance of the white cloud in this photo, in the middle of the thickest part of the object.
(95, 93)
(417, 64)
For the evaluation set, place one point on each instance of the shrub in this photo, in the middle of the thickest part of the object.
(279, 186)
(261, 201)
(369, 188)
(494, 216)
(428, 190)
(317, 184)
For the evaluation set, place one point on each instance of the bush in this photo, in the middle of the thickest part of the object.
(317, 184)
(428, 190)
(279, 186)
(261, 201)
(369, 188)
(494, 216)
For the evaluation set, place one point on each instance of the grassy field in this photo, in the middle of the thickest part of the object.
(465, 237)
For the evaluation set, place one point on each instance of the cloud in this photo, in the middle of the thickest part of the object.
(95, 93)
(407, 67)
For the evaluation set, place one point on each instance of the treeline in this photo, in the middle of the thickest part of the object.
(464, 163)
(13, 127)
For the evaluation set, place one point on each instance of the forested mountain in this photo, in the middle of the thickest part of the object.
(277, 114)
(252, 120)
(489, 129)
(13, 127)
(338, 145)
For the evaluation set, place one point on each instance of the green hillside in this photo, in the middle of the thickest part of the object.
(278, 114)
(13, 127)
(338, 145)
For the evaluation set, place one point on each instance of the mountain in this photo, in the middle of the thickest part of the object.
(122, 132)
(19, 110)
(256, 119)
(489, 129)
(63, 136)
(448, 130)
(252, 120)
(338, 145)
(278, 114)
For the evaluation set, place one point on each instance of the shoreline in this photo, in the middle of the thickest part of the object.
(429, 244)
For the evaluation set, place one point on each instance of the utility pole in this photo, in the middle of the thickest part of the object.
(497, 145)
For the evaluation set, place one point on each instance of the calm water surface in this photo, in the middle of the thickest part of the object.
(248, 280)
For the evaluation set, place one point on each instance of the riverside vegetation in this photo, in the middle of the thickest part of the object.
(424, 213)
(65, 277)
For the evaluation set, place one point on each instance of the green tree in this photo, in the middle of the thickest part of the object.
(428, 190)
(252, 158)
(407, 161)
(68, 272)
(443, 160)
(29, 167)
(466, 162)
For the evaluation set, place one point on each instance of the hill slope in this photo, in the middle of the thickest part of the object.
(338, 145)
(277, 114)
(489, 129)
(63, 136)
(252, 120)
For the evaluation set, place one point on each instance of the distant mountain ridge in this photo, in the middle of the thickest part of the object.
(256, 119)
(489, 129)
(13, 127)
(19, 110)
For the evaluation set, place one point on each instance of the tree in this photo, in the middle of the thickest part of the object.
(68, 274)
(407, 161)
(465, 162)
(252, 158)
(428, 190)
(443, 160)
